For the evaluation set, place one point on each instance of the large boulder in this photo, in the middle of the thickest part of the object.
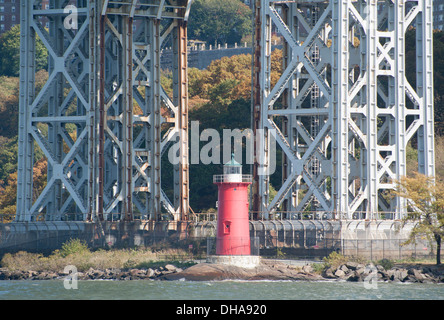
(329, 273)
(170, 268)
(352, 265)
(150, 273)
(339, 273)
(265, 271)
(399, 275)
(354, 277)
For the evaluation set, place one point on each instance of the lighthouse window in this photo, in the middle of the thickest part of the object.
(227, 227)
(234, 170)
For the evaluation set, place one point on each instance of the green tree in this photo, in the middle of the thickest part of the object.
(8, 158)
(9, 96)
(10, 53)
(218, 21)
(9, 102)
(427, 210)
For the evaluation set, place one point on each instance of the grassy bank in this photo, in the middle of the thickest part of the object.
(77, 253)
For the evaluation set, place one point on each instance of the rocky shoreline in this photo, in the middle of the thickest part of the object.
(355, 272)
(267, 270)
(349, 271)
(92, 274)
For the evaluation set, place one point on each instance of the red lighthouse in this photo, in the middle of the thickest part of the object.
(233, 229)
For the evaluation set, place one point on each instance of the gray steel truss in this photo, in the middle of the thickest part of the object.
(343, 112)
(102, 121)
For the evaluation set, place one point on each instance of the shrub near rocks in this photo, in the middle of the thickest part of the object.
(386, 263)
(334, 260)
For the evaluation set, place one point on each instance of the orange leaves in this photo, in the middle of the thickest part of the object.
(8, 193)
(235, 71)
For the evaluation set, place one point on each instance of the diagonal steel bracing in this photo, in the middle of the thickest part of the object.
(343, 111)
(99, 119)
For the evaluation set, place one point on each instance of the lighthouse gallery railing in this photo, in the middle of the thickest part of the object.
(232, 178)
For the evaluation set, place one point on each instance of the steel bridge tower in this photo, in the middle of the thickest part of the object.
(343, 112)
(345, 108)
(102, 120)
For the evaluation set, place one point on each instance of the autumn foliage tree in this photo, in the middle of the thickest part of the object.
(217, 93)
(9, 94)
(426, 209)
(9, 109)
(8, 191)
(220, 98)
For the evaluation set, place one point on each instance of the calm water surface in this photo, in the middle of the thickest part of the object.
(216, 290)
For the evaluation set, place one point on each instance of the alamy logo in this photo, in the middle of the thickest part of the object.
(217, 150)
(71, 21)
(371, 280)
(70, 281)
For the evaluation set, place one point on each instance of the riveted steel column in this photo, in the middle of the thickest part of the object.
(101, 121)
(424, 85)
(128, 120)
(340, 104)
(400, 98)
(94, 29)
(257, 103)
(156, 120)
(182, 80)
(25, 141)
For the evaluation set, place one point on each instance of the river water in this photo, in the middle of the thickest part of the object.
(216, 290)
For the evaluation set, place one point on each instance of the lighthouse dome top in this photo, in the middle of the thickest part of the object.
(232, 162)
